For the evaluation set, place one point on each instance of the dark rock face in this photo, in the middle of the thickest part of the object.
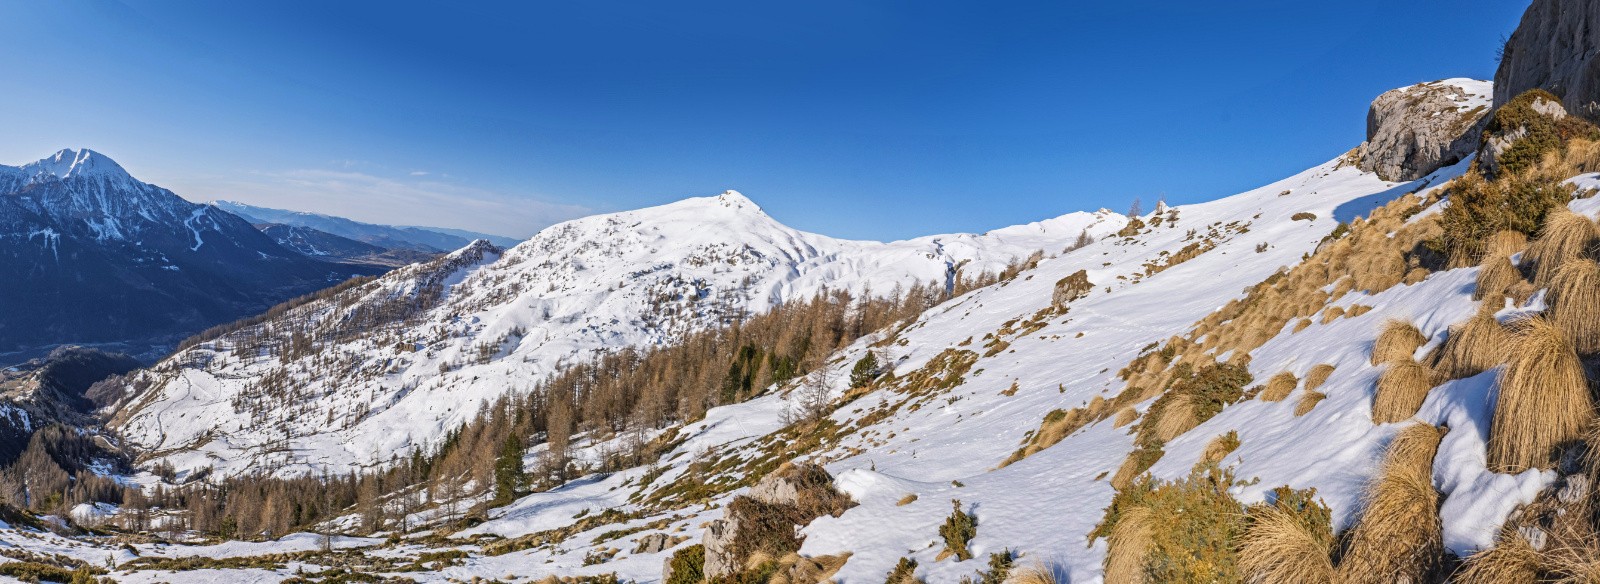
(1557, 49)
(92, 256)
(1413, 131)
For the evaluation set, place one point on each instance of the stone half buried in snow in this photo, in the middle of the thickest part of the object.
(792, 496)
(1413, 131)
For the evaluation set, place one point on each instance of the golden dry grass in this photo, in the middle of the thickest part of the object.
(1496, 276)
(1279, 387)
(1543, 402)
(1177, 416)
(1379, 270)
(1308, 401)
(1505, 243)
(1220, 447)
(1576, 564)
(1036, 573)
(1574, 300)
(1511, 560)
(1401, 390)
(1278, 548)
(1124, 417)
(1398, 341)
(1566, 236)
(1399, 536)
(1126, 547)
(1318, 375)
(1473, 347)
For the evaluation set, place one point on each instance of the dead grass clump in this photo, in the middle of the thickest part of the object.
(1220, 447)
(1543, 403)
(1512, 559)
(1288, 542)
(1127, 546)
(1379, 270)
(1496, 276)
(1398, 342)
(1473, 347)
(1037, 573)
(1333, 313)
(1308, 401)
(1318, 375)
(1357, 310)
(1574, 300)
(1505, 243)
(1576, 563)
(1279, 387)
(1565, 236)
(1401, 390)
(1399, 537)
(1124, 417)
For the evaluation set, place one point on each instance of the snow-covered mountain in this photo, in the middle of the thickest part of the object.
(504, 319)
(424, 239)
(92, 255)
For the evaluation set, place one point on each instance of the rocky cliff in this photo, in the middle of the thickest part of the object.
(1556, 48)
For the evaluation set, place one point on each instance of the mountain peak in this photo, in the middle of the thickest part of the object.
(70, 163)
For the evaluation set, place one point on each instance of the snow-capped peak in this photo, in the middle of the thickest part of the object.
(70, 163)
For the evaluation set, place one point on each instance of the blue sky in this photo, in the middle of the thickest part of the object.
(860, 119)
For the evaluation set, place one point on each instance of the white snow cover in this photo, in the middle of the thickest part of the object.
(634, 278)
(586, 284)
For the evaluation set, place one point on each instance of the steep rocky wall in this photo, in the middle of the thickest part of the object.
(1555, 48)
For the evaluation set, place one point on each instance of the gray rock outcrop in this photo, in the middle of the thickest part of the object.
(800, 492)
(1556, 48)
(1413, 131)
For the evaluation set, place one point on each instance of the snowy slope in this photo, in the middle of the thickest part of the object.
(1045, 505)
(506, 319)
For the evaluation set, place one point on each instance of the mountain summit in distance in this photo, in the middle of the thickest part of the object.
(93, 256)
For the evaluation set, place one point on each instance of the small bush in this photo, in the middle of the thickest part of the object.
(1183, 531)
(957, 531)
(904, 572)
(1303, 216)
(688, 565)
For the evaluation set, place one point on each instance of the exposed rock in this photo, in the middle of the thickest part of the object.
(1071, 288)
(1413, 131)
(1556, 48)
(652, 543)
(795, 494)
(1523, 130)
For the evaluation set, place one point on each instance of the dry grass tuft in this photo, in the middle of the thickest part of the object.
(1566, 236)
(1510, 560)
(1576, 564)
(1279, 548)
(1333, 313)
(1177, 416)
(1308, 401)
(1399, 537)
(1318, 375)
(1496, 276)
(1505, 243)
(1401, 390)
(1220, 447)
(1574, 300)
(1126, 547)
(1543, 403)
(1036, 573)
(1124, 417)
(1398, 341)
(1279, 387)
(1473, 347)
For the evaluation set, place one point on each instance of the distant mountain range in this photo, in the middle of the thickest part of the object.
(425, 239)
(93, 256)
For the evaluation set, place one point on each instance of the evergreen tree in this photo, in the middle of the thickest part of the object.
(508, 475)
(865, 371)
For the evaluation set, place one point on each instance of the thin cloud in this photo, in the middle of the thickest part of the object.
(417, 200)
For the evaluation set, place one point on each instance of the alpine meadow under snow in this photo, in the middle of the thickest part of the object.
(1381, 369)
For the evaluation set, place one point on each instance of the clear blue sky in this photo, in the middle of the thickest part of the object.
(861, 119)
